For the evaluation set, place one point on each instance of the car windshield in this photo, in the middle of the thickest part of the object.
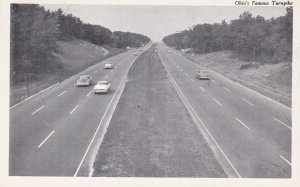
(102, 82)
(83, 78)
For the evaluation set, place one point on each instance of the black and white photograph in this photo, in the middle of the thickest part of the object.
(100, 90)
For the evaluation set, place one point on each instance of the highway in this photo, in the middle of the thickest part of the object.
(54, 132)
(249, 133)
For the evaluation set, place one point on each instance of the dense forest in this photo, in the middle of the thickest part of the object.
(35, 31)
(250, 38)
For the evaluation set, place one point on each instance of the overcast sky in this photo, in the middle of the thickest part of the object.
(159, 21)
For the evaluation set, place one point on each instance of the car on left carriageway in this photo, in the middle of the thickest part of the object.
(84, 80)
(102, 87)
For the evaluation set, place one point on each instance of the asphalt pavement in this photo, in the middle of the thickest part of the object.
(52, 133)
(250, 132)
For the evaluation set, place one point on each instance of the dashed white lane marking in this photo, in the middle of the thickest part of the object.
(62, 93)
(248, 102)
(23, 96)
(111, 71)
(94, 136)
(38, 110)
(95, 71)
(217, 101)
(282, 123)
(193, 80)
(242, 123)
(106, 76)
(193, 111)
(89, 93)
(226, 89)
(202, 89)
(46, 139)
(186, 74)
(74, 109)
(285, 160)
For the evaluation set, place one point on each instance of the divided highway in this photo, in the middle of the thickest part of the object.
(55, 132)
(52, 132)
(250, 134)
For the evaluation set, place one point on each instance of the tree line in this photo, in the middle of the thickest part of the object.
(35, 31)
(250, 38)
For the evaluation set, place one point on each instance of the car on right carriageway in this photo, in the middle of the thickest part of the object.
(203, 74)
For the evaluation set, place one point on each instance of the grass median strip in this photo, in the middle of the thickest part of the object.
(151, 133)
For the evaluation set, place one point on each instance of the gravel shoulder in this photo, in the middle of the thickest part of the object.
(151, 133)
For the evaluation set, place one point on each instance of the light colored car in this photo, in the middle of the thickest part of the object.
(84, 80)
(169, 51)
(203, 74)
(102, 87)
(108, 65)
(135, 53)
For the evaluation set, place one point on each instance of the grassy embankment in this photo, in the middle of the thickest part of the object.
(272, 80)
(76, 56)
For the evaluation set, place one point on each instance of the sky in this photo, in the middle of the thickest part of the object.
(157, 21)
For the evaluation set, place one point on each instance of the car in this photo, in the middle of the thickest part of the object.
(108, 65)
(135, 53)
(102, 87)
(169, 51)
(84, 80)
(203, 74)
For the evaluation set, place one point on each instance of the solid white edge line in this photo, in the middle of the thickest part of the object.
(193, 80)
(242, 123)
(74, 109)
(62, 93)
(46, 139)
(268, 98)
(38, 110)
(282, 123)
(90, 144)
(217, 101)
(285, 160)
(34, 95)
(218, 146)
(248, 102)
(226, 89)
(89, 92)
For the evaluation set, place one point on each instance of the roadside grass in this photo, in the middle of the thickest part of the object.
(271, 80)
(76, 55)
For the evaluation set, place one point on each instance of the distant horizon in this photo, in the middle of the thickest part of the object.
(158, 21)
